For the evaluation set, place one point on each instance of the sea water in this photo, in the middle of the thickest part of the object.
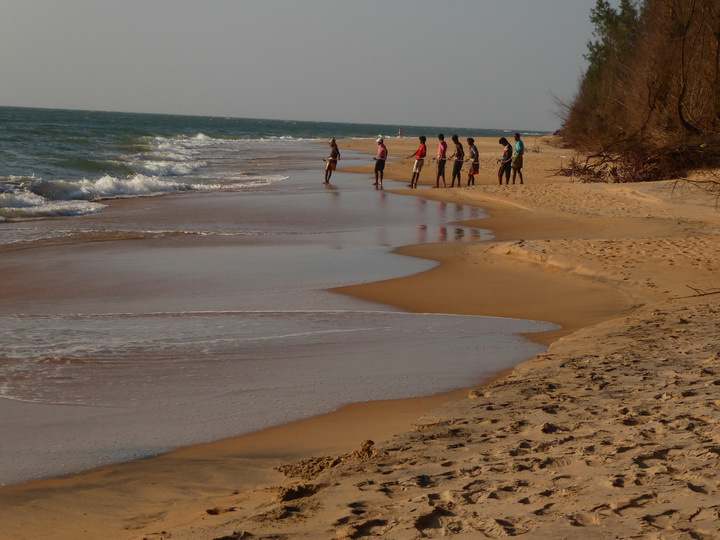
(197, 308)
(60, 162)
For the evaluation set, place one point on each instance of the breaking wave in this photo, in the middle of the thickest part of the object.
(159, 165)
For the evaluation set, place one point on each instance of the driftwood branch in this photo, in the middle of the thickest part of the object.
(700, 292)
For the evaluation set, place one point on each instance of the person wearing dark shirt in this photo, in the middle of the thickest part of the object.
(441, 160)
(459, 157)
(504, 161)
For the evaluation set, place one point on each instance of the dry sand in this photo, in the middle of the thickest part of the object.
(613, 433)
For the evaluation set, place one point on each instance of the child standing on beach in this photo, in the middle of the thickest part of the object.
(380, 162)
(419, 156)
(459, 156)
(331, 160)
(474, 161)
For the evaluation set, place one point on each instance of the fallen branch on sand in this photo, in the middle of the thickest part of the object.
(700, 292)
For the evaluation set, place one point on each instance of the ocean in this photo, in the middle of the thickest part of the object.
(165, 283)
(60, 162)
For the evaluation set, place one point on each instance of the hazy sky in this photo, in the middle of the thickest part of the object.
(455, 63)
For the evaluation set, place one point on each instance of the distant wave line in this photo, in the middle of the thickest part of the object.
(220, 313)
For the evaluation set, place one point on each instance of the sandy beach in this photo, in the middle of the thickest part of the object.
(612, 433)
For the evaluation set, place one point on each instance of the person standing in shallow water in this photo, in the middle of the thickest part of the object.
(474, 161)
(504, 161)
(331, 160)
(517, 159)
(459, 156)
(419, 156)
(380, 162)
(441, 160)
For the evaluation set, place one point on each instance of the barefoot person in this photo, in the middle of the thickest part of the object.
(419, 156)
(517, 159)
(474, 159)
(441, 160)
(459, 157)
(504, 161)
(331, 160)
(380, 161)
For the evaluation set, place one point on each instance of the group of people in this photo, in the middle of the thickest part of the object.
(510, 162)
(457, 157)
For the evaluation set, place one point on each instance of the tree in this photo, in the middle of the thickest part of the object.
(615, 33)
(648, 105)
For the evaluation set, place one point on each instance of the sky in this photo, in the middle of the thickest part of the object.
(494, 64)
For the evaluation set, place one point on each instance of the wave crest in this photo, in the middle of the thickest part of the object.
(25, 205)
(107, 187)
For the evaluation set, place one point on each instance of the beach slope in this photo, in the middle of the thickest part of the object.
(612, 433)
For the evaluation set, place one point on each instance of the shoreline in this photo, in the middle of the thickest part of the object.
(516, 259)
(161, 291)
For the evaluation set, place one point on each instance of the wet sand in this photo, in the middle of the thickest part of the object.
(170, 321)
(609, 434)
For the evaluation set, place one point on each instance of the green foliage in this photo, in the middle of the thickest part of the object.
(649, 102)
(615, 33)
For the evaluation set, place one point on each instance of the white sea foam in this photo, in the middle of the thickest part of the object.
(167, 165)
(30, 205)
(167, 168)
(106, 187)
(176, 156)
(47, 198)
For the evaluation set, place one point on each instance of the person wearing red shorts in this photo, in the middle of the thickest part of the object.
(474, 161)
